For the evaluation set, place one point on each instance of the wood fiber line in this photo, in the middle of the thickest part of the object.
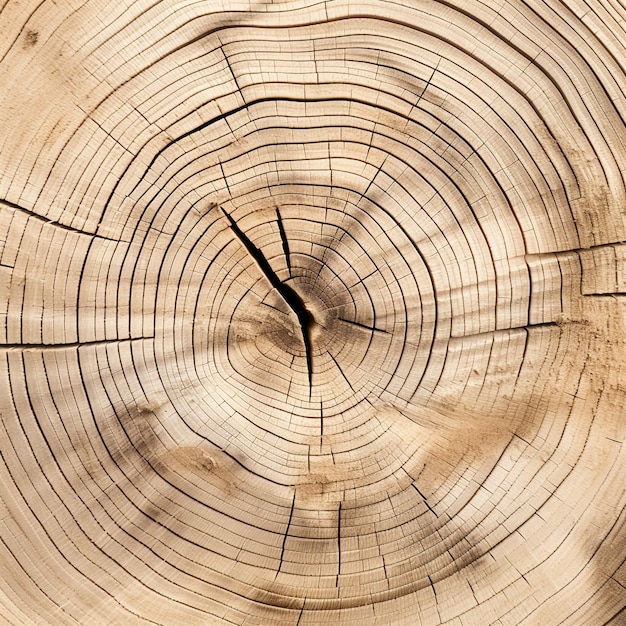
(312, 312)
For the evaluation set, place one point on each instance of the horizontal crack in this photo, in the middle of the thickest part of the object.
(499, 331)
(45, 220)
(364, 326)
(67, 346)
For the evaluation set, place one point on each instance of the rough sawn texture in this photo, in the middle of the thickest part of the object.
(313, 312)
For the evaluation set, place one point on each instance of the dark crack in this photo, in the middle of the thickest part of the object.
(289, 295)
(285, 241)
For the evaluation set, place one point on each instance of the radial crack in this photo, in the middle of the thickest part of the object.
(46, 220)
(282, 552)
(289, 295)
(423, 497)
(338, 545)
(69, 346)
(283, 236)
(364, 326)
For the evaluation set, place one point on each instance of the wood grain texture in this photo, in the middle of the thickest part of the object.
(313, 312)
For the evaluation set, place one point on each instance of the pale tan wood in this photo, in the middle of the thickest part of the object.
(312, 313)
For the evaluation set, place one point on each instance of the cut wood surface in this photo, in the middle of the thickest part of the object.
(313, 312)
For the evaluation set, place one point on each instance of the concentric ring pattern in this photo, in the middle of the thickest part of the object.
(313, 312)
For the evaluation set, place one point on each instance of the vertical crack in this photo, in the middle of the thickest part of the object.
(289, 295)
(338, 545)
(282, 552)
(283, 237)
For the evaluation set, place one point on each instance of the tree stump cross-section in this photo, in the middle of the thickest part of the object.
(313, 312)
